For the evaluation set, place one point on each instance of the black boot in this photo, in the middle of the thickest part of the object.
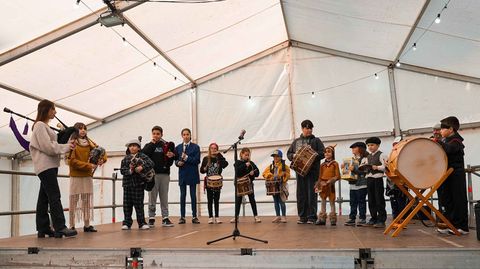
(49, 233)
(89, 229)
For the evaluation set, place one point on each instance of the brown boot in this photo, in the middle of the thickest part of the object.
(333, 218)
(322, 219)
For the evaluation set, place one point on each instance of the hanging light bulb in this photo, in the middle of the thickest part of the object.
(398, 63)
(250, 99)
(437, 20)
(125, 43)
(414, 48)
(76, 4)
(313, 94)
(376, 76)
(155, 65)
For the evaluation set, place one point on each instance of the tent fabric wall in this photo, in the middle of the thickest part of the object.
(5, 197)
(222, 113)
(423, 100)
(340, 107)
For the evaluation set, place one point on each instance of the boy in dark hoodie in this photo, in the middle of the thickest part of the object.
(453, 192)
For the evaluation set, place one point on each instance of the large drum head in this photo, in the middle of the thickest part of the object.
(423, 162)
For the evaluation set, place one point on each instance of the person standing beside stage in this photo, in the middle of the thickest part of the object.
(212, 165)
(45, 152)
(161, 153)
(81, 182)
(306, 196)
(187, 156)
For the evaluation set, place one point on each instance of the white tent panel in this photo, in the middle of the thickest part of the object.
(25, 20)
(69, 69)
(27, 107)
(371, 28)
(424, 100)
(5, 197)
(348, 98)
(203, 38)
(172, 114)
(222, 113)
(453, 45)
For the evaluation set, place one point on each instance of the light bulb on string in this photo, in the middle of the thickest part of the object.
(76, 4)
(125, 43)
(250, 99)
(376, 76)
(414, 48)
(155, 65)
(437, 20)
(313, 94)
(398, 63)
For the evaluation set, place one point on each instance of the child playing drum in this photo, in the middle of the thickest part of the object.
(329, 173)
(244, 168)
(358, 187)
(212, 165)
(277, 175)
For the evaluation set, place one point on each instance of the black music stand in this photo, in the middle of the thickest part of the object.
(236, 232)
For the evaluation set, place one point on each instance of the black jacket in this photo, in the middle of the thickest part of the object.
(453, 146)
(241, 169)
(156, 152)
(219, 161)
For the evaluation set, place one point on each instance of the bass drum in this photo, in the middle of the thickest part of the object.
(420, 160)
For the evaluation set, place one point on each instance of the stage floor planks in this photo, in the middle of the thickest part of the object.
(279, 235)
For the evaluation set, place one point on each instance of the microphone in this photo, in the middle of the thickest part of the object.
(242, 134)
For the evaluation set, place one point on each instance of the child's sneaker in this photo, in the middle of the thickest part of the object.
(218, 220)
(125, 227)
(361, 223)
(144, 227)
(151, 222)
(283, 219)
(276, 220)
(257, 219)
(210, 221)
(350, 222)
(233, 220)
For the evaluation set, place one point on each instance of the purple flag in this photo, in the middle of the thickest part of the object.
(23, 142)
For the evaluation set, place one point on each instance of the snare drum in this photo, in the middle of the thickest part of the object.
(272, 187)
(303, 160)
(215, 182)
(244, 186)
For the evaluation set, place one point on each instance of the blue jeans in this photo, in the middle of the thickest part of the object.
(279, 205)
(358, 199)
(193, 199)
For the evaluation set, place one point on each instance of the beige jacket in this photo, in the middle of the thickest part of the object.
(44, 148)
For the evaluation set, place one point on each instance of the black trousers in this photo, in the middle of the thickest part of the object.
(376, 199)
(133, 197)
(453, 197)
(358, 200)
(251, 199)
(49, 196)
(307, 199)
(213, 197)
(398, 201)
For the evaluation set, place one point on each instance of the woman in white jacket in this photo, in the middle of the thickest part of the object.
(46, 153)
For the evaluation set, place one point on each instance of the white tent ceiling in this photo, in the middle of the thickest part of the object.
(91, 71)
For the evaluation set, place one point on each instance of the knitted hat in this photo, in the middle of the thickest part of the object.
(134, 141)
(373, 140)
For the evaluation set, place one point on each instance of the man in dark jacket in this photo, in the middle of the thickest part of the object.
(161, 153)
(306, 196)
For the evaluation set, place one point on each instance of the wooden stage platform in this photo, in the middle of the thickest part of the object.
(286, 237)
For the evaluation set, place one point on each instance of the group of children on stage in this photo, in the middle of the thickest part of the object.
(367, 182)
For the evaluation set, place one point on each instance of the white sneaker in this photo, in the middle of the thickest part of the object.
(283, 220)
(257, 219)
(233, 220)
(144, 227)
(443, 231)
(276, 220)
(210, 220)
(125, 227)
(218, 220)
(462, 232)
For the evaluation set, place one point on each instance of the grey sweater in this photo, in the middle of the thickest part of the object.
(44, 148)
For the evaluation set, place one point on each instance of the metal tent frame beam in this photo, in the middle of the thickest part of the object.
(38, 98)
(185, 87)
(61, 33)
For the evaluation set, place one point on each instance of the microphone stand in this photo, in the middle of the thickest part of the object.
(236, 232)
